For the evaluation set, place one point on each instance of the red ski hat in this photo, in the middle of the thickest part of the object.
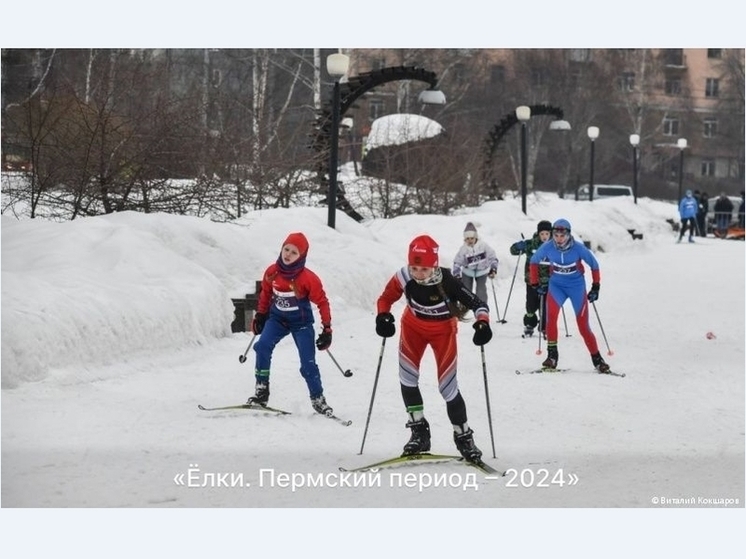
(423, 251)
(299, 240)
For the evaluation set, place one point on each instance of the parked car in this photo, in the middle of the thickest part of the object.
(604, 191)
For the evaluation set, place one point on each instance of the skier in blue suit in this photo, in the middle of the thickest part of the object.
(688, 208)
(565, 258)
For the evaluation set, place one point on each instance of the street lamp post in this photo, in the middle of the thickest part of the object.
(336, 65)
(634, 139)
(592, 134)
(523, 114)
(682, 146)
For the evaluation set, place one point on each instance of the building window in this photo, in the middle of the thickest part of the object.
(714, 53)
(670, 126)
(673, 86)
(710, 127)
(711, 87)
(627, 81)
(674, 57)
(375, 109)
(708, 168)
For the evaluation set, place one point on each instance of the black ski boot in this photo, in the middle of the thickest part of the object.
(599, 363)
(552, 357)
(530, 321)
(465, 445)
(320, 406)
(419, 442)
(261, 394)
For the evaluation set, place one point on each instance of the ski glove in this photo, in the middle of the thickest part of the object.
(482, 332)
(518, 248)
(257, 325)
(492, 273)
(385, 325)
(540, 289)
(325, 338)
(593, 293)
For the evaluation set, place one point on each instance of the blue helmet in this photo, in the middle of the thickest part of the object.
(561, 225)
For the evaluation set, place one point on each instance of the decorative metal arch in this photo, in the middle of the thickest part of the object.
(501, 128)
(350, 91)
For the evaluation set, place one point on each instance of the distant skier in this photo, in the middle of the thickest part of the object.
(533, 301)
(474, 262)
(431, 318)
(565, 259)
(284, 307)
(688, 208)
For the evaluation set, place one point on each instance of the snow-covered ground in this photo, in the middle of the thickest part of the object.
(114, 328)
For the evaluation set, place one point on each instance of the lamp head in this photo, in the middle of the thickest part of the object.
(681, 143)
(523, 113)
(593, 132)
(432, 97)
(337, 64)
(634, 139)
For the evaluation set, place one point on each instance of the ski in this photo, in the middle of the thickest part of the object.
(540, 371)
(345, 422)
(548, 370)
(398, 460)
(483, 466)
(256, 407)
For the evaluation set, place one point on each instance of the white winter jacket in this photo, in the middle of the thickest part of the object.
(475, 260)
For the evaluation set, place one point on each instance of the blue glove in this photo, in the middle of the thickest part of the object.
(539, 288)
(593, 293)
(518, 247)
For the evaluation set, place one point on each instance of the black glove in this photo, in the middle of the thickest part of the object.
(539, 288)
(385, 325)
(257, 325)
(482, 332)
(325, 338)
(593, 293)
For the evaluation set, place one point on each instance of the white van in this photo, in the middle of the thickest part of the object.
(604, 191)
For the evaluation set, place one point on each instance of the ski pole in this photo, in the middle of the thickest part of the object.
(494, 297)
(505, 312)
(242, 358)
(608, 349)
(487, 397)
(373, 394)
(542, 299)
(564, 319)
(347, 373)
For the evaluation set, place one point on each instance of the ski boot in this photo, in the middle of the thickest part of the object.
(419, 442)
(464, 440)
(552, 357)
(600, 365)
(261, 394)
(530, 321)
(320, 406)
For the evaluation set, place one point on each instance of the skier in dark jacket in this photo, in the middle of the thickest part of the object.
(533, 300)
(431, 319)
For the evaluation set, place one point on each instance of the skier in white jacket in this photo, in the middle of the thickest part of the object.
(475, 262)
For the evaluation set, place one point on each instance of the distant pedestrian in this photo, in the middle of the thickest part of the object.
(704, 207)
(688, 212)
(474, 262)
(723, 214)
